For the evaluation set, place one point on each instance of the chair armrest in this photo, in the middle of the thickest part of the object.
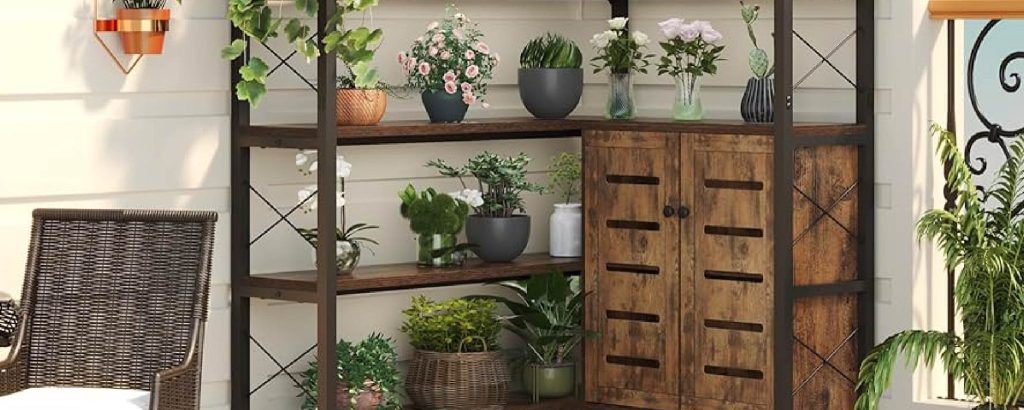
(178, 388)
(13, 370)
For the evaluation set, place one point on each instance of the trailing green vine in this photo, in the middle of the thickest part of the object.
(355, 47)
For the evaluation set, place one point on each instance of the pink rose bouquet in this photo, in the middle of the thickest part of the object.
(451, 57)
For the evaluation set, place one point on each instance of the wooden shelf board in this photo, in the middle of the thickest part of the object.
(521, 402)
(976, 9)
(398, 132)
(301, 286)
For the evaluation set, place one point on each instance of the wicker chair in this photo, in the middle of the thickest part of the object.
(113, 311)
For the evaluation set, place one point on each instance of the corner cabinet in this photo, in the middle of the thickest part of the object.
(679, 260)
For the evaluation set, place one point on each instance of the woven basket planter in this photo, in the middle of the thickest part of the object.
(361, 107)
(458, 380)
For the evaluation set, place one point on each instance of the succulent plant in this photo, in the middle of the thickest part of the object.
(760, 65)
(551, 51)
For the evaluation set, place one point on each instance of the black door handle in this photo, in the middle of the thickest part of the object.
(668, 211)
(684, 212)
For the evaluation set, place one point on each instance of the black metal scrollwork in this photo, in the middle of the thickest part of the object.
(994, 132)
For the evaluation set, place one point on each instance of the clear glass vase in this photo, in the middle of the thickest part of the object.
(621, 104)
(439, 251)
(687, 106)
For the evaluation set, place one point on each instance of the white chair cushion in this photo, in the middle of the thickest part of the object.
(75, 398)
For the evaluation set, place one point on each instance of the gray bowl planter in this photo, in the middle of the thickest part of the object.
(443, 107)
(498, 239)
(550, 93)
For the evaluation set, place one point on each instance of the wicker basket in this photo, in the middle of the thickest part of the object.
(458, 380)
(361, 107)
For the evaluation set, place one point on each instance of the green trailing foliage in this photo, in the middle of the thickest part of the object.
(452, 326)
(143, 4)
(547, 313)
(371, 364)
(355, 47)
(983, 238)
(566, 176)
(502, 181)
(354, 234)
(432, 213)
(760, 65)
(551, 51)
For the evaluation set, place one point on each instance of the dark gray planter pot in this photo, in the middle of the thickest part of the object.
(550, 93)
(758, 100)
(498, 239)
(444, 107)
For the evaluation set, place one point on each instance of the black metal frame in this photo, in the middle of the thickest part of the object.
(785, 144)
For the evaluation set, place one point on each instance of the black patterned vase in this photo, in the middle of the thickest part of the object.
(758, 100)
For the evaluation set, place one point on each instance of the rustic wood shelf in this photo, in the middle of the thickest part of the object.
(976, 9)
(300, 286)
(399, 132)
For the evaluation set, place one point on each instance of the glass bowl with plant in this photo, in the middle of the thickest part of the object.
(461, 336)
(566, 223)
(547, 314)
(550, 77)
(368, 377)
(450, 65)
(691, 52)
(499, 229)
(351, 240)
(437, 219)
(144, 42)
(758, 103)
(621, 54)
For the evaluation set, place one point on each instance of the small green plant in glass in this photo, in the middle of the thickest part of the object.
(436, 218)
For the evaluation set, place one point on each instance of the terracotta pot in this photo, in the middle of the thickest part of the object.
(361, 107)
(366, 400)
(145, 30)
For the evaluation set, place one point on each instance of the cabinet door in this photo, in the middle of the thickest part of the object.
(632, 268)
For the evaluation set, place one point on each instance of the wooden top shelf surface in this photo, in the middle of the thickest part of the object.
(301, 286)
(398, 132)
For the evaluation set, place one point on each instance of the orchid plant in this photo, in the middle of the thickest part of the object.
(307, 163)
(451, 57)
(619, 51)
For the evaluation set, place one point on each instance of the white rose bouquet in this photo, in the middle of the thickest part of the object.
(619, 51)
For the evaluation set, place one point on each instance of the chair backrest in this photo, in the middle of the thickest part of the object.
(113, 296)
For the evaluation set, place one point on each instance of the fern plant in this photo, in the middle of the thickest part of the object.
(986, 244)
(551, 51)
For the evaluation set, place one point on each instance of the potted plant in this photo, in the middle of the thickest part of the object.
(458, 363)
(550, 77)
(982, 241)
(144, 42)
(759, 97)
(436, 219)
(566, 224)
(691, 52)
(498, 229)
(450, 65)
(620, 54)
(368, 377)
(350, 239)
(547, 313)
(354, 47)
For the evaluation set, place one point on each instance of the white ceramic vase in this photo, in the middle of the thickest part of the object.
(567, 231)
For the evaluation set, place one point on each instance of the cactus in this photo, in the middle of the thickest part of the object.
(759, 63)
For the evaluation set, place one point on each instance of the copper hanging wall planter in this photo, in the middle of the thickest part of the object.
(142, 32)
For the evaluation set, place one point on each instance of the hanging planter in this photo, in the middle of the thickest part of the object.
(141, 25)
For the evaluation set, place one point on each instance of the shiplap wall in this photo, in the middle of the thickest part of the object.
(76, 133)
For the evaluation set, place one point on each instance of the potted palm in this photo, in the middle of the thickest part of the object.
(550, 77)
(144, 41)
(436, 219)
(759, 97)
(499, 230)
(547, 313)
(566, 224)
(981, 240)
(368, 377)
(450, 65)
(458, 363)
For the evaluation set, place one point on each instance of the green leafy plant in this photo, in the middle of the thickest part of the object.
(551, 51)
(355, 46)
(547, 313)
(432, 213)
(143, 4)
(566, 174)
(501, 179)
(353, 235)
(452, 326)
(760, 65)
(370, 365)
(984, 241)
